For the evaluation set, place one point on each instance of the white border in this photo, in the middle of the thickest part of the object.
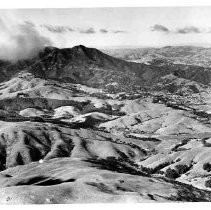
(8, 4)
(12, 4)
(137, 206)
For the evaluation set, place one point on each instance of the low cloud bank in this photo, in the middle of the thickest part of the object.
(20, 41)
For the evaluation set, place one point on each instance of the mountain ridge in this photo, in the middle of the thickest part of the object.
(94, 68)
(139, 131)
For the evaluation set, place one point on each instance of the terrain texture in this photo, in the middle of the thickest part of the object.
(80, 126)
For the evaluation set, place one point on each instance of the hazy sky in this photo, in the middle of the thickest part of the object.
(108, 26)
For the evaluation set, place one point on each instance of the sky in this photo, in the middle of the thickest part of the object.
(104, 27)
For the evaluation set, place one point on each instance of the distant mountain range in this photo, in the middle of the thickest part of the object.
(94, 68)
(190, 55)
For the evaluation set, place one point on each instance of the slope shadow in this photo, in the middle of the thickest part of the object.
(42, 181)
(102, 187)
(116, 165)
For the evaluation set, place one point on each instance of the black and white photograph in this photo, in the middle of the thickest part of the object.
(105, 105)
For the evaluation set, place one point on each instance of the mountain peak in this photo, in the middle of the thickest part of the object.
(80, 46)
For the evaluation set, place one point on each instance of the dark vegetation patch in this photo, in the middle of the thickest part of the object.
(91, 108)
(3, 156)
(169, 173)
(60, 150)
(151, 196)
(208, 183)
(177, 147)
(177, 171)
(169, 102)
(120, 165)
(188, 193)
(182, 169)
(143, 138)
(207, 167)
(101, 187)
(205, 143)
(155, 170)
(42, 181)
(18, 104)
(122, 188)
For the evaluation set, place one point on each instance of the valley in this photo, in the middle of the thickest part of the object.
(80, 126)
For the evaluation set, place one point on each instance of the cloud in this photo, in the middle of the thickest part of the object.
(29, 23)
(209, 30)
(20, 41)
(57, 29)
(188, 30)
(159, 28)
(119, 31)
(103, 31)
(64, 29)
(184, 30)
(87, 31)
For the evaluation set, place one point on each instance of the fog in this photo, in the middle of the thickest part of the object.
(20, 40)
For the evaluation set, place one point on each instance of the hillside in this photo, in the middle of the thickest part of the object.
(188, 55)
(77, 125)
(91, 67)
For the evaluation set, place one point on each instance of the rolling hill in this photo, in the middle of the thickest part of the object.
(78, 125)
